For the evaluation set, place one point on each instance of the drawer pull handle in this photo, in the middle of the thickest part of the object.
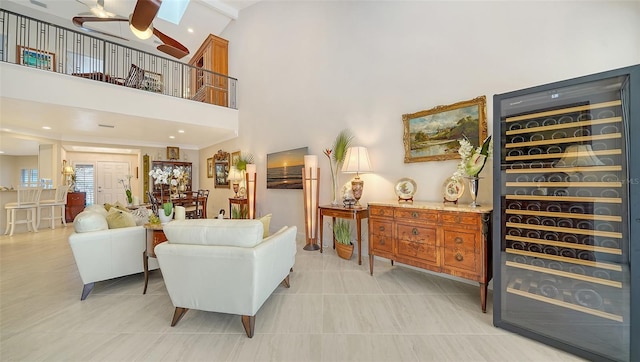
(457, 218)
(381, 242)
(414, 214)
(415, 231)
(381, 228)
(458, 240)
(459, 257)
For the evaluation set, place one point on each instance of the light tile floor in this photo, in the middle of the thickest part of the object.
(334, 311)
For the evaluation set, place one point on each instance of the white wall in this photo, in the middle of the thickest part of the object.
(307, 70)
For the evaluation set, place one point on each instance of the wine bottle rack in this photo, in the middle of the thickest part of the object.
(545, 178)
(565, 212)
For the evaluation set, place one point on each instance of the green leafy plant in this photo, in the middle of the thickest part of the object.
(239, 212)
(167, 206)
(342, 231)
(245, 158)
(336, 155)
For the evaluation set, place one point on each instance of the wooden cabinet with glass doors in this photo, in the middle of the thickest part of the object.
(563, 237)
(169, 166)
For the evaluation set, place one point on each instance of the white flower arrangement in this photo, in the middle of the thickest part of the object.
(472, 160)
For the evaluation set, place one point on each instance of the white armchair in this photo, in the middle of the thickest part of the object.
(224, 266)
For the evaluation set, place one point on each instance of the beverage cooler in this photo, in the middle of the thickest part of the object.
(567, 214)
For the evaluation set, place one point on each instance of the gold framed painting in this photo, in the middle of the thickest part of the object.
(210, 167)
(173, 153)
(433, 135)
(235, 157)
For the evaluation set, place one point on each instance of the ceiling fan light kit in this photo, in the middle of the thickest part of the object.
(141, 34)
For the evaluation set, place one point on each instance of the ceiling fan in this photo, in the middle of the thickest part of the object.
(140, 23)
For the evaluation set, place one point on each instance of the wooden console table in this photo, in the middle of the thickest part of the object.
(155, 236)
(429, 235)
(243, 204)
(354, 213)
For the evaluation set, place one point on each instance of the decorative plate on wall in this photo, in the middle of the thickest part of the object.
(406, 188)
(453, 189)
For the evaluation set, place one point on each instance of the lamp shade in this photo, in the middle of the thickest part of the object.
(141, 34)
(235, 174)
(580, 156)
(356, 160)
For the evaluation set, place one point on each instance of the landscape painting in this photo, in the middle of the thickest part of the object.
(433, 135)
(284, 169)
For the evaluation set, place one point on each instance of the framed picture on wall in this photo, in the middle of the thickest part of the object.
(235, 157)
(284, 169)
(221, 169)
(173, 153)
(433, 135)
(210, 167)
(36, 58)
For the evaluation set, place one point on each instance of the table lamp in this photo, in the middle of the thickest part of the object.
(235, 176)
(357, 161)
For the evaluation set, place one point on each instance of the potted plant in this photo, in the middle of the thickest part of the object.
(342, 233)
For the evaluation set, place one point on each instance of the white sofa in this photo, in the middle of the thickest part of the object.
(107, 254)
(224, 266)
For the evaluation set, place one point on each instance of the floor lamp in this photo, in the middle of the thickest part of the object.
(251, 189)
(311, 191)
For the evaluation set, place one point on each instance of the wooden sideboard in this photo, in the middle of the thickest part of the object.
(75, 204)
(447, 239)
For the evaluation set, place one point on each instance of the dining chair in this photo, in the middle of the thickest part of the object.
(193, 208)
(28, 200)
(60, 202)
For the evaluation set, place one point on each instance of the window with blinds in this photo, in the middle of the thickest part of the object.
(85, 181)
(29, 177)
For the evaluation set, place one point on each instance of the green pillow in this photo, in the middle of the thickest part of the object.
(265, 220)
(120, 219)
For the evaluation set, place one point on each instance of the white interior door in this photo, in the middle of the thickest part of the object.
(109, 189)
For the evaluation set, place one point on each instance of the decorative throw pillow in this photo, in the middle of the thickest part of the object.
(141, 215)
(118, 205)
(89, 221)
(265, 220)
(120, 219)
(97, 208)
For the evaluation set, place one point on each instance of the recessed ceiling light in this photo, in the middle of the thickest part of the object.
(46, 127)
(190, 30)
(180, 131)
(172, 137)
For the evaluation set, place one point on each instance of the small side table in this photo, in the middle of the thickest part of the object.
(354, 213)
(155, 236)
(243, 204)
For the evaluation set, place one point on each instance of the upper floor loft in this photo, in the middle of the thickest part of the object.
(98, 91)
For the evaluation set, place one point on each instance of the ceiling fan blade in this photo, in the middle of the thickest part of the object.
(144, 13)
(80, 20)
(170, 46)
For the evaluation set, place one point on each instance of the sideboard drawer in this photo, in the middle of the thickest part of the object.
(381, 237)
(417, 215)
(380, 211)
(464, 259)
(459, 218)
(417, 242)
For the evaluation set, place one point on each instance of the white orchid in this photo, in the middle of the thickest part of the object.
(472, 160)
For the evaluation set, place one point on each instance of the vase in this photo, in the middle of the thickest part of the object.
(473, 190)
(164, 218)
(336, 192)
(344, 251)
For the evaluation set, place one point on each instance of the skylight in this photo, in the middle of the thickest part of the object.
(173, 10)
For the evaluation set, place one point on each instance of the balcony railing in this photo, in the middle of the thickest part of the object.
(42, 45)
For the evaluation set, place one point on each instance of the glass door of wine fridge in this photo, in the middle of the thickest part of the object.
(567, 220)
